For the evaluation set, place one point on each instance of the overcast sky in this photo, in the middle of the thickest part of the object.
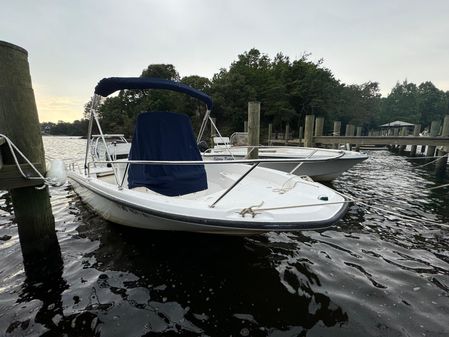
(73, 44)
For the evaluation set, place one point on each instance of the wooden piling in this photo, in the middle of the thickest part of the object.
(270, 133)
(19, 121)
(245, 126)
(336, 132)
(300, 135)
(403, 133)
(253, 129)
(358, 134)
(349, 132)
(287, 132)
(416, 132)
(308, 131)
(434, 130)
(319, 126)
(441, 164)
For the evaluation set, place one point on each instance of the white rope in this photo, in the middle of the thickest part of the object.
(14, 149)
(405, 216)
(433, 161)
(360, 200)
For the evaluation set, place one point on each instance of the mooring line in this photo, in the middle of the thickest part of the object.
(407, 217)
(345, 201)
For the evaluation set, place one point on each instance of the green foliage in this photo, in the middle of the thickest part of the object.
(77, 128)
(287, 90)
(415, 104)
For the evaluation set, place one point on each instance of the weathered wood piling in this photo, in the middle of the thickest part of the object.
(396, 139)
(308, 130)
(441, 164)
(19, 122)
(416, 131)
(253, 129)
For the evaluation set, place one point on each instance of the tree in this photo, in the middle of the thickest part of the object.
(360, 104)
(401, 104)
(432, 103)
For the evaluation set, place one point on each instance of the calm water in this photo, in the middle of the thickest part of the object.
(374, 274)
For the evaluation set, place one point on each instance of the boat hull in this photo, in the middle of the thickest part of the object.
(112, 206)
(319, 168)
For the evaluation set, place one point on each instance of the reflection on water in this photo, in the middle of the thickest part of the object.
(375, 274)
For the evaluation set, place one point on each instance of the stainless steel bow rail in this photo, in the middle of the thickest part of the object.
(254, 163)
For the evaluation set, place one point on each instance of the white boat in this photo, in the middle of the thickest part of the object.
(321, 164)
(165, 185)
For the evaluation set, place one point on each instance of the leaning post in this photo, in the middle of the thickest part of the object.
(434, 130)
(19, 121)
(441, 164)
(308, 130)
(253, 129)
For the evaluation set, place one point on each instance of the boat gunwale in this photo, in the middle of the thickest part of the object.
(232, 223)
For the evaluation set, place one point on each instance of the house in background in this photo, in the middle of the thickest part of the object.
(394, 128)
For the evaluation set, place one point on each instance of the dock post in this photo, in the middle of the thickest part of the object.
(253, 129)
(336, 132)
(434, 130)
(300, 135)
(348, 133)
(287, 131)
(19, 120)
(403, 133)
(358, 134)
(308, 131)
(416, 132)
(245, 126)
(441, 164)
(319, 126)
(270, 133)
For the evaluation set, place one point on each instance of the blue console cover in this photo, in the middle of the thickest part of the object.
(165, 136)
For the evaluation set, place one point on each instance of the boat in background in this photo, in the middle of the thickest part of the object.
(165, 184)
(319, 164)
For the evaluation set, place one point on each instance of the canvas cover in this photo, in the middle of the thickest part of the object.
(166, 136)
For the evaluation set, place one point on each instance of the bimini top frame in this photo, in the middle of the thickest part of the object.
(109, 85)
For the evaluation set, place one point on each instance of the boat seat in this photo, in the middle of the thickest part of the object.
(165, 136)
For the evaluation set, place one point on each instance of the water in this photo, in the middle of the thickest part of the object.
(374, 274)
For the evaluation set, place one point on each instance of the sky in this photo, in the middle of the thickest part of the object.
(74, 44)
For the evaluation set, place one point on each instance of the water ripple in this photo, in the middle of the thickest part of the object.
(374, 274)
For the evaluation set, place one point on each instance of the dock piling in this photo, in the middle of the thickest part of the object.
(336, 132)
(441, 164)
(308, 131)
(253, 129)
(416, 132)
(434, 130)
(19, 121)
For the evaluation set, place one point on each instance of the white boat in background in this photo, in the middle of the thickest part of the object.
(320, 164)
(165, 185)
(116, 145)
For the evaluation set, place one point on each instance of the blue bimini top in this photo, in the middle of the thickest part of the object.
(110, 85)
(165, 136)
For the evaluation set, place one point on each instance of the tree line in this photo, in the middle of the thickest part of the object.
(287, 89)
